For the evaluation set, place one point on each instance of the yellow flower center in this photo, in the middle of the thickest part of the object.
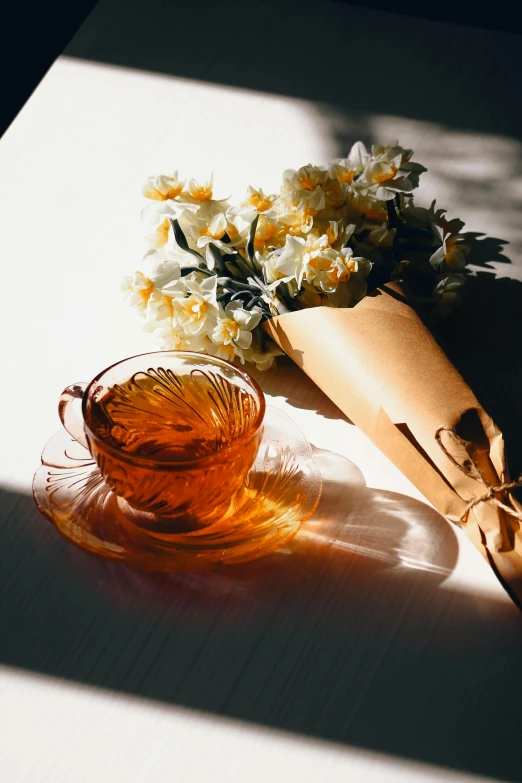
(227, 352)
(346, 176)
(144, 296)
(157, 195)
(207, 232)
(336, 275)
(194, 308)
(162, 234)
(228, 331)
(306, 182)
(265, 231)
(331, 235)
(341, 271)
(386, 175)
(334, 195)
(200, 192)
(319, 262)
(260, 202)
(369, 208)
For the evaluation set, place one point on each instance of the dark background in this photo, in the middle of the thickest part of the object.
(33, 34)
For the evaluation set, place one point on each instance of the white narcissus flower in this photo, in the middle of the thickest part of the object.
(171, 339)
(234, 326)
(159, 311)
(297, 254)
(295, 215)
(305, 178)
(239, 221)
(407, 166)
(259, 200)
(137, 289)
(263, 359)
(216, 230)
(196, 312)
(203, 220)
(340, 268)
(381, 169)
(338, 233)
(390, 170)
(309, 201)
(160, 237)
(163, 187)
(201, 192)
(156, 214)
(352, 290)
(345, 169)
(228, 352)
(159, 270)
(336, 194)
(269, 233)
(382, 236)
(452, 252)
(344, 268)
(272, 274)
(163, 267)
(367, 206)
(447, 295)
(449, 287)
(312, 200)
(313, 260)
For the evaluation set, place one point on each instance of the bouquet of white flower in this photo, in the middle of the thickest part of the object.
(325, 271)
(214, 271)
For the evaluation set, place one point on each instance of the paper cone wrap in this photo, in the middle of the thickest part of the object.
(385, 370)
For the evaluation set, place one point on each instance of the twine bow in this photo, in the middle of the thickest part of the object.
(471, 469)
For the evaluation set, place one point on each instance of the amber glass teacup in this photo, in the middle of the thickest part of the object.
(174, 433)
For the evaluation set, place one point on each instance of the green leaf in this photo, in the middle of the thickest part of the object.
(181, 239)
(251, 237)
(234, 271)
(218, 258)
(186, 270)
(243, 266)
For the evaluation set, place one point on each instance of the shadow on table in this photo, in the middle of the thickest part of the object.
(285, 379)
(373, 62)
(483, 340)
(349, 633)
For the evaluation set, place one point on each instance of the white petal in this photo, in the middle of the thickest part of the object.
(247, 319)
(358, 155)
(437, 258)
(244, 339)
(223, 246)
(363, 267)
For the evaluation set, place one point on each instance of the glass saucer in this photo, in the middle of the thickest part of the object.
(281, 492)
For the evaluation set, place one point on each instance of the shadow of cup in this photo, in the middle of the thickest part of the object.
(359, 539)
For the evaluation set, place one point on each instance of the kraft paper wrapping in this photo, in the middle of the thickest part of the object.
(385, 370)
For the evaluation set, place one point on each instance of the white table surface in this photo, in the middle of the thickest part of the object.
(388, 652)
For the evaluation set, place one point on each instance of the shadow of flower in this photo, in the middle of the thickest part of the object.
(485, 250)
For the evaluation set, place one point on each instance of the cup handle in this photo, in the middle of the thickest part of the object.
(71, 420)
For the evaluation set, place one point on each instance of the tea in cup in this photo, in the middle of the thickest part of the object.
(174, 433)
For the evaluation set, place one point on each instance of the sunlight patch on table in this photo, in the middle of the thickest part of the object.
(88, 734)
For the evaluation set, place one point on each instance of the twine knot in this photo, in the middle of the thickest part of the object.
(471, 469)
